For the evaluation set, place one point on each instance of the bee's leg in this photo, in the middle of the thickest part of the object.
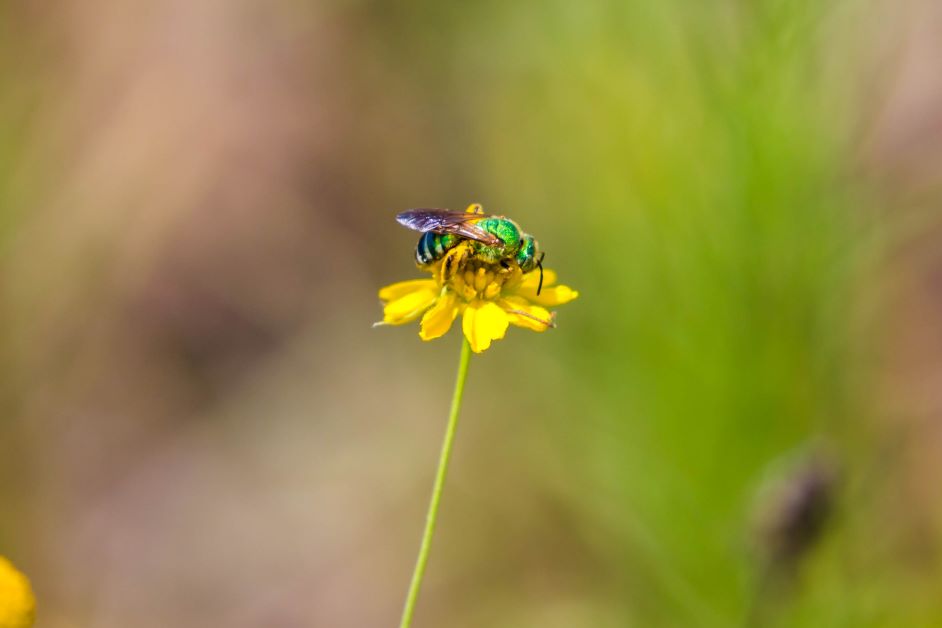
(551, 323)
(475, 208)
(454, 259)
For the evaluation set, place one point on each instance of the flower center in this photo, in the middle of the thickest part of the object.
(475, 279)
(472, 278)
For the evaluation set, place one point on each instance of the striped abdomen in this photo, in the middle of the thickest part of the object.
(433, 246)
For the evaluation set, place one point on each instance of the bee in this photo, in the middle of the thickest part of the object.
(493, 239)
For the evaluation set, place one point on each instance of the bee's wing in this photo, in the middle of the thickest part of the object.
(446, 221)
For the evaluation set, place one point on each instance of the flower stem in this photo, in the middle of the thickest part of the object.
(432, 515)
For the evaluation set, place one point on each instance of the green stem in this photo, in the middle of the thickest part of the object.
(432, 515)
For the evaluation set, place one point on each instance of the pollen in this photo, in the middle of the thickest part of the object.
(480, 279)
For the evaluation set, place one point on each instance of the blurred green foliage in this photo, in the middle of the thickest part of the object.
(688, 168)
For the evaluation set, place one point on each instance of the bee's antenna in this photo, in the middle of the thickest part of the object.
(539, 288)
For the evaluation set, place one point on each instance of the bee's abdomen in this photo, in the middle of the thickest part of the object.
(433, 246)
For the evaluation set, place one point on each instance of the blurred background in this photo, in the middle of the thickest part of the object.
(739, 422)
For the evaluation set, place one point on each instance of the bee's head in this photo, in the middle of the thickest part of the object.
(528, 253)
(529, 257)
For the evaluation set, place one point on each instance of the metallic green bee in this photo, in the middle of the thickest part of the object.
(494, 239)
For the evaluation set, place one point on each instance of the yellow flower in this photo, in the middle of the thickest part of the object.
(488, 296)
(17, 604)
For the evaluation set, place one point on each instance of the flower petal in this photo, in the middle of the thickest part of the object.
(437, 321)
(550, 296)
(483, 322)
(522, 314)
(410, 306)
(402, 288)
(17, 601)
(532, 279)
